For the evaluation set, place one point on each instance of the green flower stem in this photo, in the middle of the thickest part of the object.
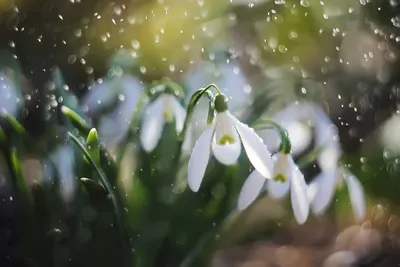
(192, 103)
(117, 208)
(285, 146)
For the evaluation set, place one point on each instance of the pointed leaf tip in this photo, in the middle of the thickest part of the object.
(76, 120)
(92, 145)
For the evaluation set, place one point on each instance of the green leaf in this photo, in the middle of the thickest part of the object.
(92, 145)
(76, 120)
(126, 251)
(93, 188)
(19, 179)
(15, 125)
(3, 138)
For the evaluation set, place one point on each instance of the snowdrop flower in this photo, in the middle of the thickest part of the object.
(322, 189)
(164, 109)
(114, 102)
(286, 175)
(64, 161)
(223, 138)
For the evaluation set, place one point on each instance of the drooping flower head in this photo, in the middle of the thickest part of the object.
(113, 101)
(163, 109)
(286, 176)
(322, 189)
(224, 138)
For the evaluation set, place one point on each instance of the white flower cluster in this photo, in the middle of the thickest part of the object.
(279, 173)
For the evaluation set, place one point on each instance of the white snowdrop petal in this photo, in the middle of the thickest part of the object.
(277, 189)
(324, 187)
(256, 151)
(187, 142)
(152, 126)
(226, 144)
(298, 195)
(180, 114)
(357, 197)
(293, 118)
(100, 95)
(251, 189)
(329, 157)
(227, 154)
(63, 157)
(199, 159)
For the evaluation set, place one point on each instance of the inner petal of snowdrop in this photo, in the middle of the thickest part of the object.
(281, 168)
(226, 146)
(225, 131)
(168, 112)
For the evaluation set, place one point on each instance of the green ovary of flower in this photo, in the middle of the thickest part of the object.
(226, 139)
(280, 178)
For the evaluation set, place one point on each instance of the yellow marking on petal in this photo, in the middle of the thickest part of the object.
(167, 116)
(280, 178)
(226, 139)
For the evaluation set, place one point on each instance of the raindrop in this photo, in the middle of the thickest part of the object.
(293, 35)
(121, 97)
(171, 67)
(278, 18)
(396, 21)
(25, 113)
(135, 44)
(247, 89)
(142, 69)
(282, 48)
(378, 212)
(393, 222)
(304, 3)
(78, 32)
(71, 59)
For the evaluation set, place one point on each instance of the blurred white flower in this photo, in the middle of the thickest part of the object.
(64, 160)
(321, 190)
(286, 175)
(390, 132)
(164, 109)
(114, 101)
(223, 139)
(298, 120)
(9, 100)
